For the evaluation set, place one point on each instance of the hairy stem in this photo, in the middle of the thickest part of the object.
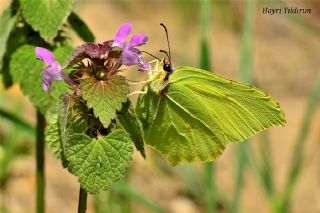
(40, 176)
(82, 205)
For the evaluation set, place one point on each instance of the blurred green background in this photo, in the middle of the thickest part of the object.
(279, 53)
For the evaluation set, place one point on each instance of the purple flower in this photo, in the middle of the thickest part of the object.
(131, 55)
(52, 72)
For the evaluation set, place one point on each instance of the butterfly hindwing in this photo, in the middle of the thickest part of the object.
(197, 113)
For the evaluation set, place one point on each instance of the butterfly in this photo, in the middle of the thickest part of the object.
(190, 115)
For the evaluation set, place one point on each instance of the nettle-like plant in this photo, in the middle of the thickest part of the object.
(187, 114)
(93, 131)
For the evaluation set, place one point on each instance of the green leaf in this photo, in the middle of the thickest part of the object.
(53, 137)
(129, 121)
(10, 38)
(194, 115)
(80, 27)
(46, 16)
(7, 23)
(26, 69)
(62, 53)
(99, 162)
(105, 96)
(73, 117)
(17, 38)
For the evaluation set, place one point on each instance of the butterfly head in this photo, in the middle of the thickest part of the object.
(167, 66)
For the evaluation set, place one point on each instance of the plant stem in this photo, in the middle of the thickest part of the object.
(297, 156)
(210, 187)
(241, 166)
(40, 176)
(82, 206)
(205, 63)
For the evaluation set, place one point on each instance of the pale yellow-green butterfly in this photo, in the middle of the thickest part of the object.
(190, 114)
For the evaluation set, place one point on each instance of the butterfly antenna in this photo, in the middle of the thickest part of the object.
(165, 52)
(165, 28)
(151, 55)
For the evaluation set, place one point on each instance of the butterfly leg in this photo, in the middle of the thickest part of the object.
(139, 92)
(137, 82)
(151, 74)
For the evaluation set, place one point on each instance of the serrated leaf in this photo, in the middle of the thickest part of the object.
(46, 16)
(7, 23)
(25, 70)
(53, 137)
(194, 115)
(80, 27)
(73, 117)
(129, 121)
(105, 97)
(99, 162)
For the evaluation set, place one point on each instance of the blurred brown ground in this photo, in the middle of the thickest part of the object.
(286, 61)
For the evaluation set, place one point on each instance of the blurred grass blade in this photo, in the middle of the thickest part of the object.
(209, 168)
(205, 16)
(19, 123)
(192, 183)
(8, 152)
(240, 169)
(246, 76)
(80, 27)
(306, 24)
(210, 187)
(125, 190)
(205, 55)
(125, 201)
(266, 170)
(226, 11)
(302, 21)
(246, 72)
(297, 156)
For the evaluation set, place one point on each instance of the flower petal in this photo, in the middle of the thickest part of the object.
(137, 40)
(44, 55)
(122, 34)
(51, 73)
(130, 58)
(45, 85)
(133, 57)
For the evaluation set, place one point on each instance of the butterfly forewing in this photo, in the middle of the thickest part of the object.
(197, 113)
